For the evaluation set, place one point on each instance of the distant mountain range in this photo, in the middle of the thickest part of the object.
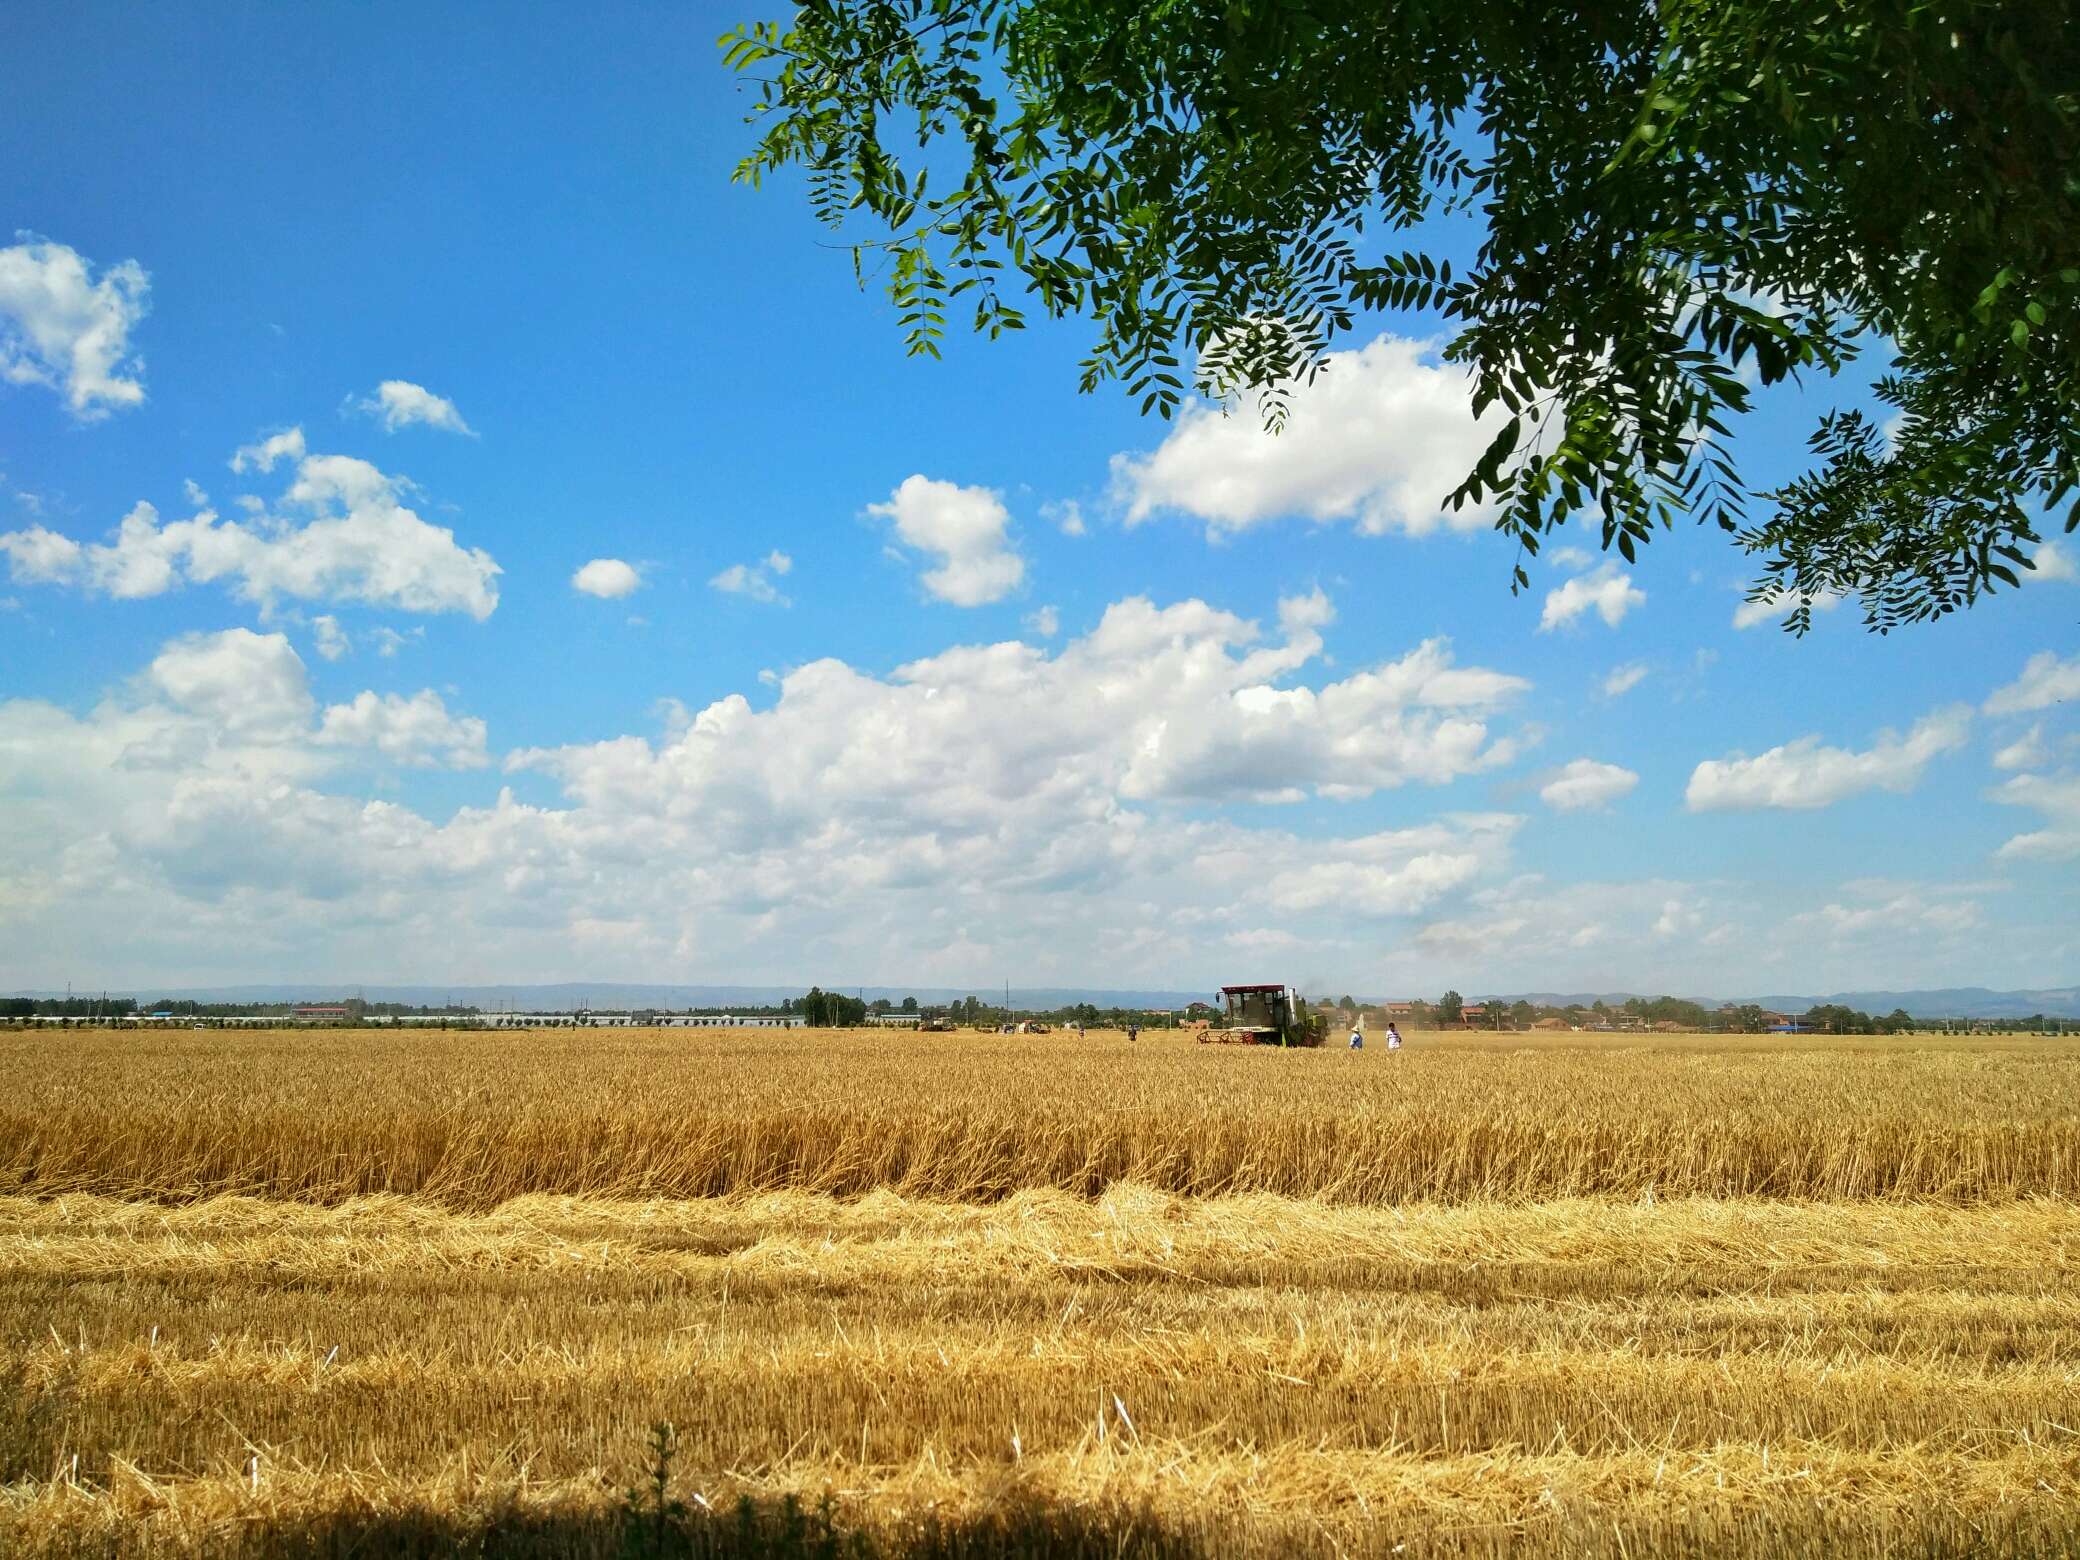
(1949, 1002)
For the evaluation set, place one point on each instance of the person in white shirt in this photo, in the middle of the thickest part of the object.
(1393, 1038)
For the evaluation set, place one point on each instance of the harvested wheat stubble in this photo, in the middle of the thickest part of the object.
(471, 1120)
(1035, 1298)
(1233, 1375)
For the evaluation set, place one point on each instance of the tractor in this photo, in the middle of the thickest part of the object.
(1265, 1015)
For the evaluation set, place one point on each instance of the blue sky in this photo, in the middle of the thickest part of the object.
(921, 672)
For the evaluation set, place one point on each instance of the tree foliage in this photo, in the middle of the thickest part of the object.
(1676, 197)
(822, 1009)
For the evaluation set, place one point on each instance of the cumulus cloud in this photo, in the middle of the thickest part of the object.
(1774, 606)
(245, 689)
(2046, 680)
(607, 578)
(2057, 797)
(263, 454)
(1379, 439)
(1806, 774)
(238, 681)
(1622, 680)
(755, 579)
(331, 640)
(417, 731)
(965, 528)
(62, 328)
(2053, 562)
(1155, 704)
(1542, 921)
(1067, 516)
(1044, 621)
(398, 403)
(342, 532)
(1913, 913)
(40, 556)
(1677, 919)
(827, 829)
(1586, 783)
(2027, 751)
(1607, 591)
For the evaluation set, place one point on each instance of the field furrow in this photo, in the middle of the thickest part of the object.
(1132, 1369)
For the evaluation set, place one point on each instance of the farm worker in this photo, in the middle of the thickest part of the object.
(1133, 1031)
(1393, 1038)
(1358, 1034)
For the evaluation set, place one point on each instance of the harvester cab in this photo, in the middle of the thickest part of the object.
(1273, 1014)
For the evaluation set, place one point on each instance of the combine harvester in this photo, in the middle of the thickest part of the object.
(1265, 1015)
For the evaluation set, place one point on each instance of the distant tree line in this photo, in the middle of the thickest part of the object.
(822, 1009)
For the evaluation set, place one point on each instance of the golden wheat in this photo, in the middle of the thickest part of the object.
(472, 1120)
(1035, 1298)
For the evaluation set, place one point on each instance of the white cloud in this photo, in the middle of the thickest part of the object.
(1381, 438)
(1777, 604)
(1914, 914)
(965, 528)
(1621, 680)
(1577, 558)
(2045, 681)
(1164, 704)
(1536, 920)
(417, 731)
(262, 454)
(1606, 590)
(398, 403)
(826, 830)
(2054, 563)
(2057, 797)
(252, 688)
(1586, 783)
(244, 683)
(61, 328)
(1044, 621)
(755, 580)
(1676, 919)
(1805, 774)
(1904, 914)
(1067, 516)
(331, 640)
(40, 556)
(2027, 751)
(388, 641)
(607, 578)
(342, 533)
(1716, 940)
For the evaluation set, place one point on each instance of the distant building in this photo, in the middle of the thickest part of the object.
(320, 1011)
(632, 1021)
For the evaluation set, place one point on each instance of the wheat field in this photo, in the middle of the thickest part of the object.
(332, 1293)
